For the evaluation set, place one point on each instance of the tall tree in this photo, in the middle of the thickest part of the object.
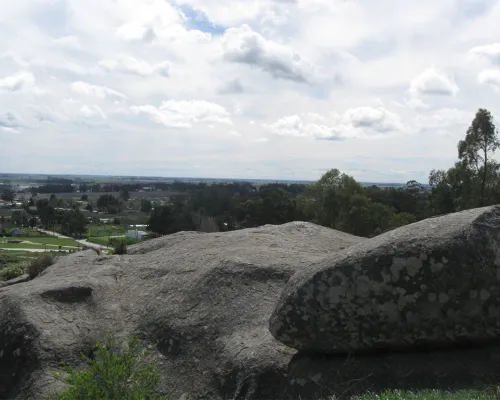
(476, 149)
(7, 193)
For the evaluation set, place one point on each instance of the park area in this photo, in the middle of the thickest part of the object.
(33, 240)
(107, 235)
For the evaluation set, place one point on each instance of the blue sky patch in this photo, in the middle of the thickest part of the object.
(196, 19)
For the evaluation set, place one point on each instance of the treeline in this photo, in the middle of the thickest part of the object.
(338, 201)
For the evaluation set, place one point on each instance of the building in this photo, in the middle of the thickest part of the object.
(137, 235)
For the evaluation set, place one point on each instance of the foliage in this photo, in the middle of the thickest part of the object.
(146, 206)
(73, 223)
(10, 272)
(487, 394)
(113, 375)
(109, 203)
(120, 247)
(7, 193)
(39, 264)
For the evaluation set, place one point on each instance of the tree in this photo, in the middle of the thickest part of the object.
(7, 193)
(475, 151)
(108, 203)
(146, 205)
(73, 223)
(46, 212)
(161, 220)
(124, 194)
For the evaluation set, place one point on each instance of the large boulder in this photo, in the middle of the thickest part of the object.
(431, 284)
(203, 299)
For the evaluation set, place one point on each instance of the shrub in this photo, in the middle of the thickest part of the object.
(11, 273)
(40, 264)
(112, 375)
(120, 247)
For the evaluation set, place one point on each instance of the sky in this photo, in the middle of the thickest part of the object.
(276, 89)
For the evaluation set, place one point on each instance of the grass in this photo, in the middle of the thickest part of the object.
(18, 262)
(487, 394)
(53, 240)
(11, 273)
(105, 230)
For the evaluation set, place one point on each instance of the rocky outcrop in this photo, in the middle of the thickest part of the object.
(434, 283)
(203, 299)
(20, 279)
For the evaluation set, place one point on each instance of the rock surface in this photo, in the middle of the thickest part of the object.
(20, 279)
(203, 299)
(434, 283)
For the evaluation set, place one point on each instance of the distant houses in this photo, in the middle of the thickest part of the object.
(136, 234)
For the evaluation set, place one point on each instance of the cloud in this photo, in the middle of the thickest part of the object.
(245, 46)
(79, 113)
(490, 77)
(44, 113)
(20, 82)
(490, 52)
(433, 83)
(68, 42)
(359, 122)
(96, 90)
(178, 76)
(309, 125)
(231, 87)
(10, 121)
(377, 119)
(184, 114)
(133, 66)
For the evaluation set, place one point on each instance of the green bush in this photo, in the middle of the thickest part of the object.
(40, 264)
(11, 273)
(113, 375)
(120, 247)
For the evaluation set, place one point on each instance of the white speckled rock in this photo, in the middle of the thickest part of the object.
(434, 283)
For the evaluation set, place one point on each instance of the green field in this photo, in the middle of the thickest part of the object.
(52, 240)
(105, 230)
(37, 242)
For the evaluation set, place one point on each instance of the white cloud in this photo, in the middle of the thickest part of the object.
(245, 46)
(433, 83)
(309, 125)
(68, 42)
(490, 52)
(299, 70)
(96, 90)
(490, 77)
(184, 114)
(131, 65)
(10, 121)
(359, 122)
(20, 82)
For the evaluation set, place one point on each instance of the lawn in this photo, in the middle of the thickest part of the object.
(53, 240)
(488, 394)
(105, 230)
